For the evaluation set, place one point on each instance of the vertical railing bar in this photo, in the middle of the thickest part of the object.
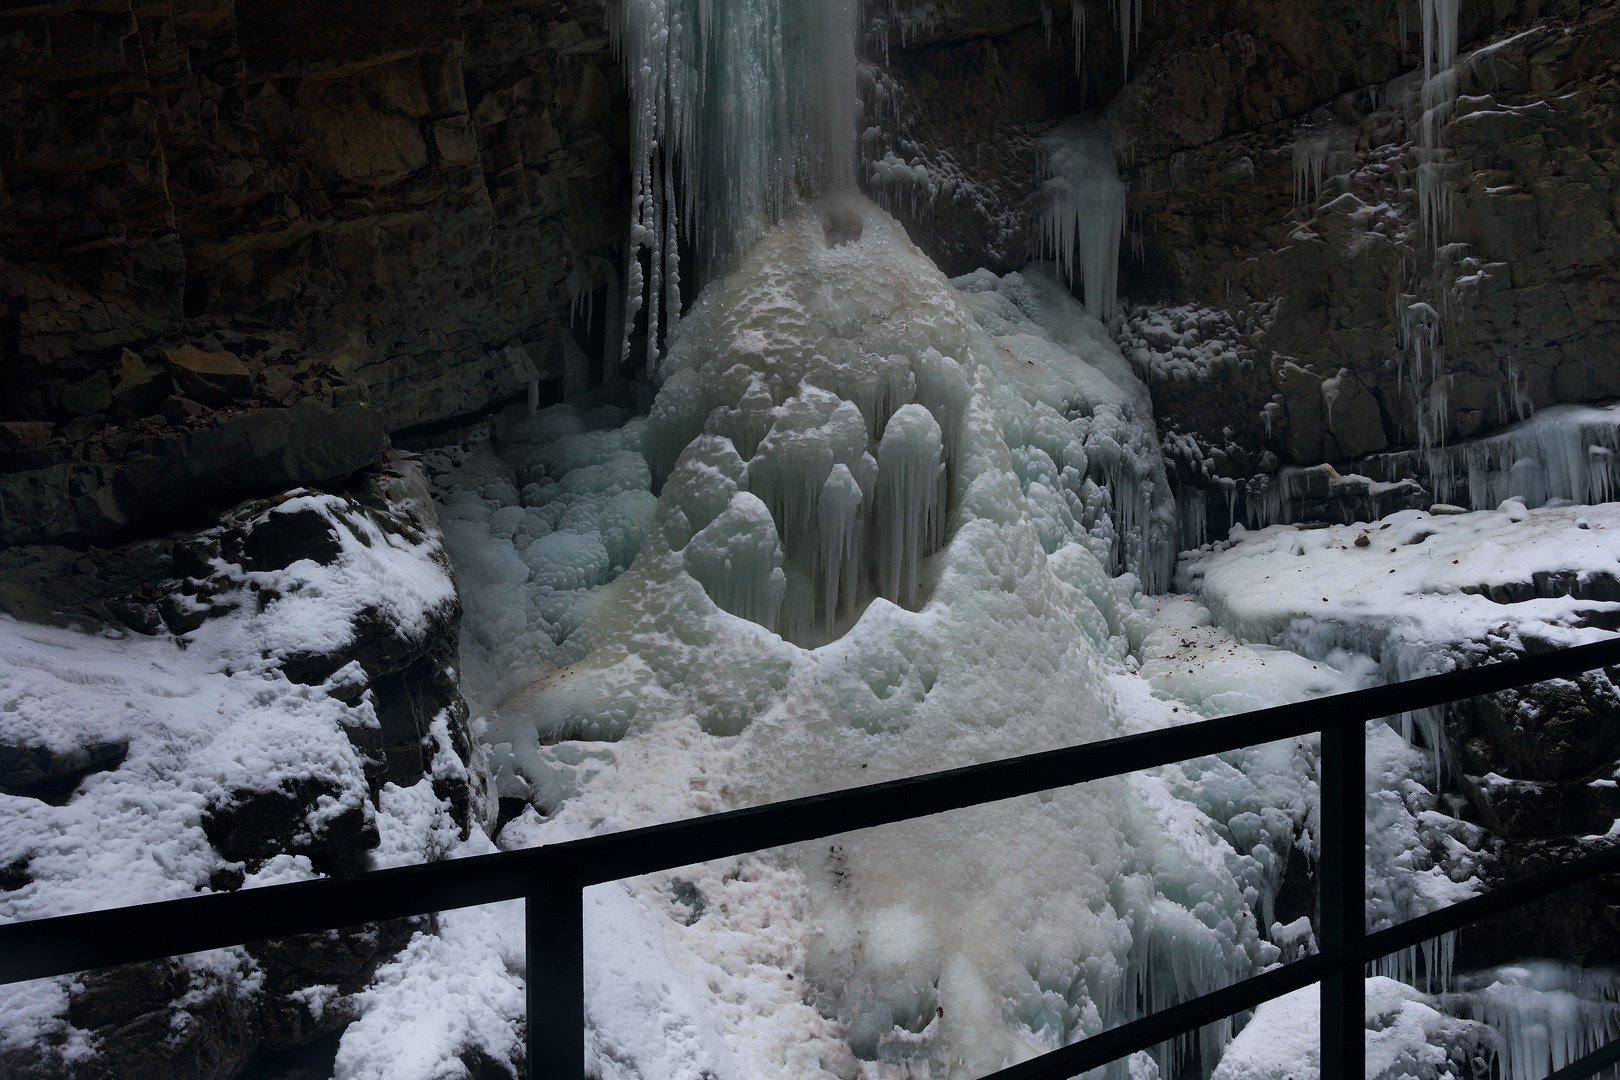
(554, 976)
(1341, 884)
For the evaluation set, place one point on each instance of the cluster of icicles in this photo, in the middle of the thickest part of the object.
(798, 514)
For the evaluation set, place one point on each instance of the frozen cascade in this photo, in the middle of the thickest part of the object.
(909, 508)
(1547, 1013)
(901, 424)
(1097, 463)
(735, 103)
(1084, 218)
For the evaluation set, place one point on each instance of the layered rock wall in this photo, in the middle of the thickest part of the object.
(240, 242)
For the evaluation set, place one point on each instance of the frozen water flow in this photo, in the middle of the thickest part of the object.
(1563, 452)
(732, 101)
(1084, 218)
(1547, 1014)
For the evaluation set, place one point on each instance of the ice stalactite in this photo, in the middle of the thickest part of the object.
(1310, 157)
(1084, 219)
(909, 510)
(1547, 1013)
(738, 108)
(1128, 17)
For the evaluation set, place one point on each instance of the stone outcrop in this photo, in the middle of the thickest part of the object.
(239, 242)
(395, 675)
(1536, 767)
(1304, 311)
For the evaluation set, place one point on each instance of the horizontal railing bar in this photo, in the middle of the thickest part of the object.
(64, 944)
(1179, 1019)
(1590, 1064)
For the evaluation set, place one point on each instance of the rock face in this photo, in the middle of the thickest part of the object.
(239, 242)
(1537, 767)
(1282, 321)
(388, 669)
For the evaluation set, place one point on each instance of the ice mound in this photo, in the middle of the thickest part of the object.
(1407, 1036)
(838, 438)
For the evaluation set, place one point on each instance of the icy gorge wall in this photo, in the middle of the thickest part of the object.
(240, 242)
(1326, 261)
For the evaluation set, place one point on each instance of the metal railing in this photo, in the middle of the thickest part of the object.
(552, 879)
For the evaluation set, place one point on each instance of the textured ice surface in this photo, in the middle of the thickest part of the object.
(1102, 467)
(840, 403)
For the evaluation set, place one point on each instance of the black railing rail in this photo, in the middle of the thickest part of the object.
(552, 878)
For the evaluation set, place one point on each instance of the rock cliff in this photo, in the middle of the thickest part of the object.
(240, 242)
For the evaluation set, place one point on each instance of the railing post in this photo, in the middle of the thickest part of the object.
(554, 942)
(1341, 884)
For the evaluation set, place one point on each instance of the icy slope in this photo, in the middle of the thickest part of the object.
(842, 449)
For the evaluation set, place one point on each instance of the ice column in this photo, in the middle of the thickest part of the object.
(909, 511)
(737, 559)
(1084, 218)
(841, 525)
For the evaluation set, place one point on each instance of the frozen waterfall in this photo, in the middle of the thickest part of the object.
(736, 106)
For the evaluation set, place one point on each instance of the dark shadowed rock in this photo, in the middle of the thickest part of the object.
(283, 537)
(45, 773)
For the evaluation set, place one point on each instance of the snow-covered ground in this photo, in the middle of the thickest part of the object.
(1395, 589)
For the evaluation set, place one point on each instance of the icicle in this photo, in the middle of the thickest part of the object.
(1078, 11)
(1084, 219)
(1548, 1013)
(840, 524)
(908, 514)
(1563, 452)
(1310, 158)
